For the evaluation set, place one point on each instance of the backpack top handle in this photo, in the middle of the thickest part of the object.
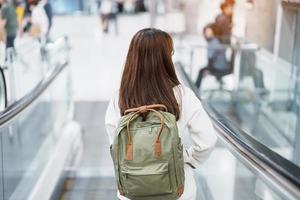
(157, 148)
(143, 109)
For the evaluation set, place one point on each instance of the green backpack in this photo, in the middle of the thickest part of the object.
(148, 155)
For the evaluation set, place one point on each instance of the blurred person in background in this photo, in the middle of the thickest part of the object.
(2, 32)
(27, 19)
(108, 12)
(10, 22)
(2, 42)
(216, 56)
(224, 23)
(232, 2)
(98, 2)
(129, 6)
(20, 11)
(120, 6)
(49, 13)
(140, 6)
(39, 20)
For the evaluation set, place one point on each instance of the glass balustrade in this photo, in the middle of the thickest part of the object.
(225, 177)
(27, 64)
(24, 69)
(261, 94)
(260, 98)
(265, 100)
(29, 139)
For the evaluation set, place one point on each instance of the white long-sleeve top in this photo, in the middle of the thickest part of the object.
(39, 18)
(193, 123)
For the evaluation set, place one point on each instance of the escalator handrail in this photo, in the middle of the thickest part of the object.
(4, 87)
(284, 174)
(21, 105)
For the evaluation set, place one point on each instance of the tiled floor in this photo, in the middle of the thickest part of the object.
(90, 189)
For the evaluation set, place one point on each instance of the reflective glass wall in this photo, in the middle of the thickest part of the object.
(29, 139)
(28, 142)
(261, 96)
(296, 59)
(267, 98)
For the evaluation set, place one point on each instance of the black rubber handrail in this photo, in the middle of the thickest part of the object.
(13, 110)
(4, 86)
(283, 174)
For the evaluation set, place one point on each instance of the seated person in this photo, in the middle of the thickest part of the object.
(216, 55)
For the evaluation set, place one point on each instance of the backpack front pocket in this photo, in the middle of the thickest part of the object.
(146, 180)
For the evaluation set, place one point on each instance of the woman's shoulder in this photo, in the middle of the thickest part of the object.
(182, 90)
(115, 97)
(113, 110)
(186, 97)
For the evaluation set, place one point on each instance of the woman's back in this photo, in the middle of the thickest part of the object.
(193, 124)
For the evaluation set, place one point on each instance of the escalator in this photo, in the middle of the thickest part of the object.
(89, 188)
(93, 178)
(241, 167)
(38, 134)
(260, 173)
(256, 118)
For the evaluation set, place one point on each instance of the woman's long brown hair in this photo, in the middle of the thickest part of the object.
(149, 75)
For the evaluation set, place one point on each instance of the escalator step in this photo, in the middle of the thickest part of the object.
(90, 189)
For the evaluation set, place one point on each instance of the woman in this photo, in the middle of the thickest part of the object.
(149, 77)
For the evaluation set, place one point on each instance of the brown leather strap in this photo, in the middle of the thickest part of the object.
(145, 108)
(157, 149)
(180, 190)
(129, 148)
